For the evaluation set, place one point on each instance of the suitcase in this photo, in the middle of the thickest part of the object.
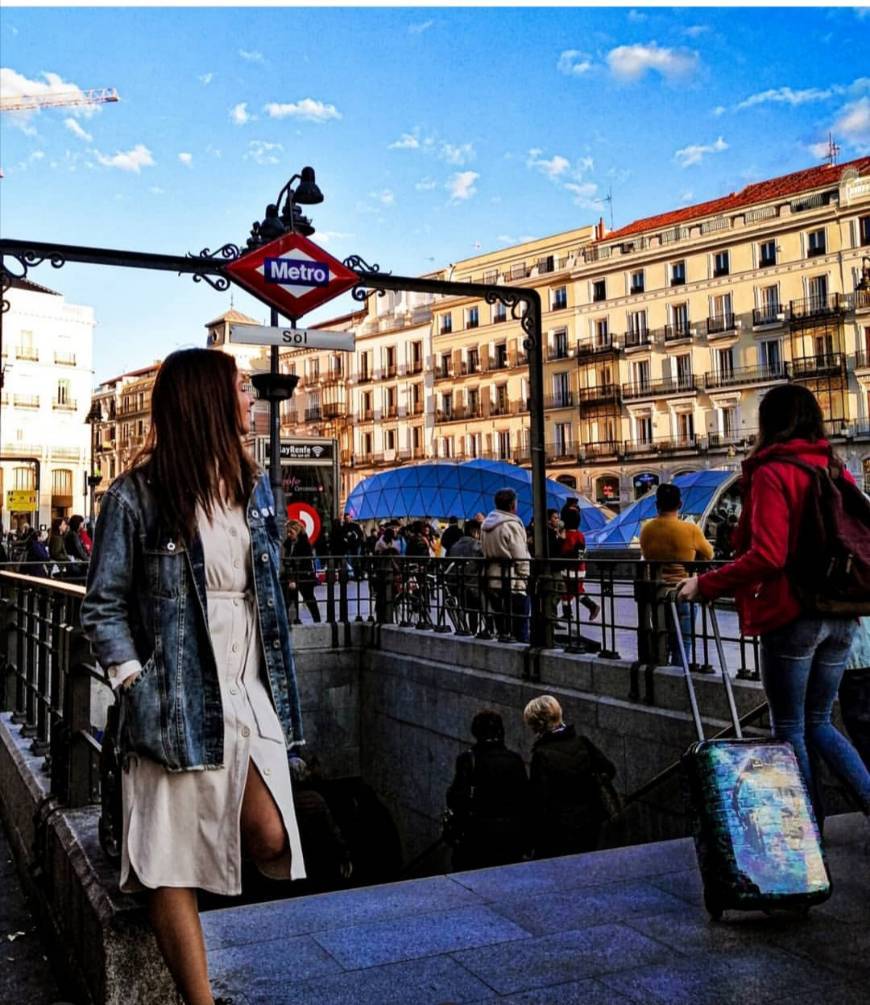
(755, 832)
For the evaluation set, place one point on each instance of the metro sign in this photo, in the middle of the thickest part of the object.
(292, 275)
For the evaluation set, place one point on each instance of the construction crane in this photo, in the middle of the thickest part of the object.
(57, 99)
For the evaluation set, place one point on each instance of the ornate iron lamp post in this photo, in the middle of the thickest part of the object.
(94, 420)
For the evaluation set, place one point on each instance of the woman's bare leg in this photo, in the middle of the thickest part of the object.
(263, 832)
(174, 916)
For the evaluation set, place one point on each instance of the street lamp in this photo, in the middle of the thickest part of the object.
(94, 418)
(274, 386)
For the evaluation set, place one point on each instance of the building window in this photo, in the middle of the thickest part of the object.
(444, 365)
(816, 243)
(472, 317)
(367, 444)
(817, 288)
(500, 358)
(63, 392)
(721, 263)
(503, 445)
(684, 371)
(560, 344)
(391, 361)
(602, 332)
(640, 375)
(61, 482)
(678, 273)
(447, 404)
(770, 357)
(473, 361)
(23, 478)
(562, 438)
(499, 313)
(721, 305)
(636, 283)
(729, 422)
(767, 254)
(390, 439)
(637, 323)
(561, 389)
(560, 298)
(725, 362)
(599, 291)
(686, 427)
(864, 230)
(446, 324)
(643, 429)
(473, 395)
(680, 318)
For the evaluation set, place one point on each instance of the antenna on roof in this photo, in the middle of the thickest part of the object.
(609, 199)
(833, 151)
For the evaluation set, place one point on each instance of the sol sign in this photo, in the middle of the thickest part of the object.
(291, 274)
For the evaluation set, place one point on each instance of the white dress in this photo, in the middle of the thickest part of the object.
(181, 829)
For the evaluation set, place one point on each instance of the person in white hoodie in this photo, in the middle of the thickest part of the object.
(503, 540)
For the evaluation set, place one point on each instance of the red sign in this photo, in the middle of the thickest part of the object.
(292, 275)
(308, 517)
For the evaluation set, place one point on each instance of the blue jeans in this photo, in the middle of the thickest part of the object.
(686, 614)
(801, 667)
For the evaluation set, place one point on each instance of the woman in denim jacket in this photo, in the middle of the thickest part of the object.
(184, 609)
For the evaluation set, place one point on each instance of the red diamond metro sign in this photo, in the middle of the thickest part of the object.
(292, 275)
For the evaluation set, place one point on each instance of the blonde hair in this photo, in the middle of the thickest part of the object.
(543, 713)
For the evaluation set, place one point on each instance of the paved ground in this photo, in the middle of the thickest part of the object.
(25, 976)
(619, 927)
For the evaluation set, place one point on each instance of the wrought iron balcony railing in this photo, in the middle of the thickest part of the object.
(719, 323)
(660, 388)
(599, 393)
(746, 375)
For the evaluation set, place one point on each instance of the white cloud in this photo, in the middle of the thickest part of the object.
(631, 62)
(186, 159)
(157, 190)
(786, 96)
(385, 197)
(696, 152)
(574, 63)
(262, 152)
(461, 185)
(426, 185)
(553, 168)
(457, 155)
(239, 114)
(819, 149)
(77, 130)
(687, 196)
(420, 27)
(696, 30)
(719, 110)
(307, 109)
(407, 141)
(853, 123)
(251, 56)
(328, 236)
(205, 79)
(585, 194)
(636, 16)
(586, 164)
(131, 160)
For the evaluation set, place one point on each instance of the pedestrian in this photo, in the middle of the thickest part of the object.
(802, 656)
(564, 778)
(57, 544)
(855, 692)
(489, 798)
(555, 535)
(572, 502)
(503, 541)
(351, 542)
(327, 857)
(671, 541)
(573, 549)
(463, 577)
(451, 535)
(75, 548)
(37, 556)
(184, 610)
(299, 570)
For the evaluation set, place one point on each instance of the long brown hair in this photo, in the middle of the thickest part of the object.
(194, 449)
(789, 412)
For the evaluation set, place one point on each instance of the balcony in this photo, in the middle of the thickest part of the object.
(821, 365)
(745, 375)
(25, 400)
(503, 408)
(558, 351)
(811, 308)
(472, 323)
(313, 414)
(721, 323)
(637, 339)
(65, 358)
(417, 408)
(469, 367)
(560, 453)
(332, 377)
(663, 445)
(64, 404)
(391, 371)
(634, 291)
(444, 373)
(415, 366)
(560, 304)
(364, 378)
(861, 300)
(499, 318)
(367, 415)
(522, 455)
(563, 400)
(661, 388)
(445, 329)
(333, 410)
(599, 394)
(600, 449)
(597, 345)
(862, 360)
(498, 363)
(770, 314)
(676, 333)
(26, 352)
(391, 412)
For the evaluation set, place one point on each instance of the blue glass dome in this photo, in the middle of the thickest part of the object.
(446, 488)
(700, 491)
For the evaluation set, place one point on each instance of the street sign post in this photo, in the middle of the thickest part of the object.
(292, 338)
(292, 275)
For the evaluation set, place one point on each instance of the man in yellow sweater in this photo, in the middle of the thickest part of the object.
(670, 540)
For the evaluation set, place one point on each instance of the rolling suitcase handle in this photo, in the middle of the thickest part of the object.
(687, 673)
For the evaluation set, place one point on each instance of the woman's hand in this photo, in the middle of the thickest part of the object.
(688, 589)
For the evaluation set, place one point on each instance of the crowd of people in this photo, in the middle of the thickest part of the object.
(61, 551)
(499, 813)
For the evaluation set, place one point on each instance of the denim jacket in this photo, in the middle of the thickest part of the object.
(146, 600)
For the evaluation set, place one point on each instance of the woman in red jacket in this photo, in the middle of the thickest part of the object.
(802, 657)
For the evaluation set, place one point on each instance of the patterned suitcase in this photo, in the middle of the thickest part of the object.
(755, 833)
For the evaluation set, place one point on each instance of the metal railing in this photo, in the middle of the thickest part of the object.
(656, 388)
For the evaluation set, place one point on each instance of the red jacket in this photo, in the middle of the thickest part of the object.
(766, 537)
(573, 545)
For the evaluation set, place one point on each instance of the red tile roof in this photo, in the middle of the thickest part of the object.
(762, 191)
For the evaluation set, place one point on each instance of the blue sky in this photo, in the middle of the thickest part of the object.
(435, 132)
